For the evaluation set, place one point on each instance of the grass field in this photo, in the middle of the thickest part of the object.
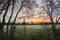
(33, 32)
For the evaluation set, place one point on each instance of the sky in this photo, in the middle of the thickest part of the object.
(38, 1)
(20, 14)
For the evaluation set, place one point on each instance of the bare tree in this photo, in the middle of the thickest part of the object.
(11, 29)
(6, 7)
(50, 8)
(3, 20)
(13, 2)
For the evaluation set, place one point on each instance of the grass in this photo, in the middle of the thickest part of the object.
(33, 34)
(24, 33)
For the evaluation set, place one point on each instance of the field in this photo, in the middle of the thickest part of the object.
(33, 32)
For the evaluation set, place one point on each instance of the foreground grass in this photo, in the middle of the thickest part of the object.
(33, 34)
(24, 33)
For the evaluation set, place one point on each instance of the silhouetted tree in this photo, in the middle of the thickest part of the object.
(6, 6)
(13, 2)
(11, 29)
(50, 10)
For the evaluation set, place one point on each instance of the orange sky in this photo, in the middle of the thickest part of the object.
(36, 20)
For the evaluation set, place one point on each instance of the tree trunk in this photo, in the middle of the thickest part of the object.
(53, 29)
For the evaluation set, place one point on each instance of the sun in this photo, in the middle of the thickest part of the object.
(37, 20)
